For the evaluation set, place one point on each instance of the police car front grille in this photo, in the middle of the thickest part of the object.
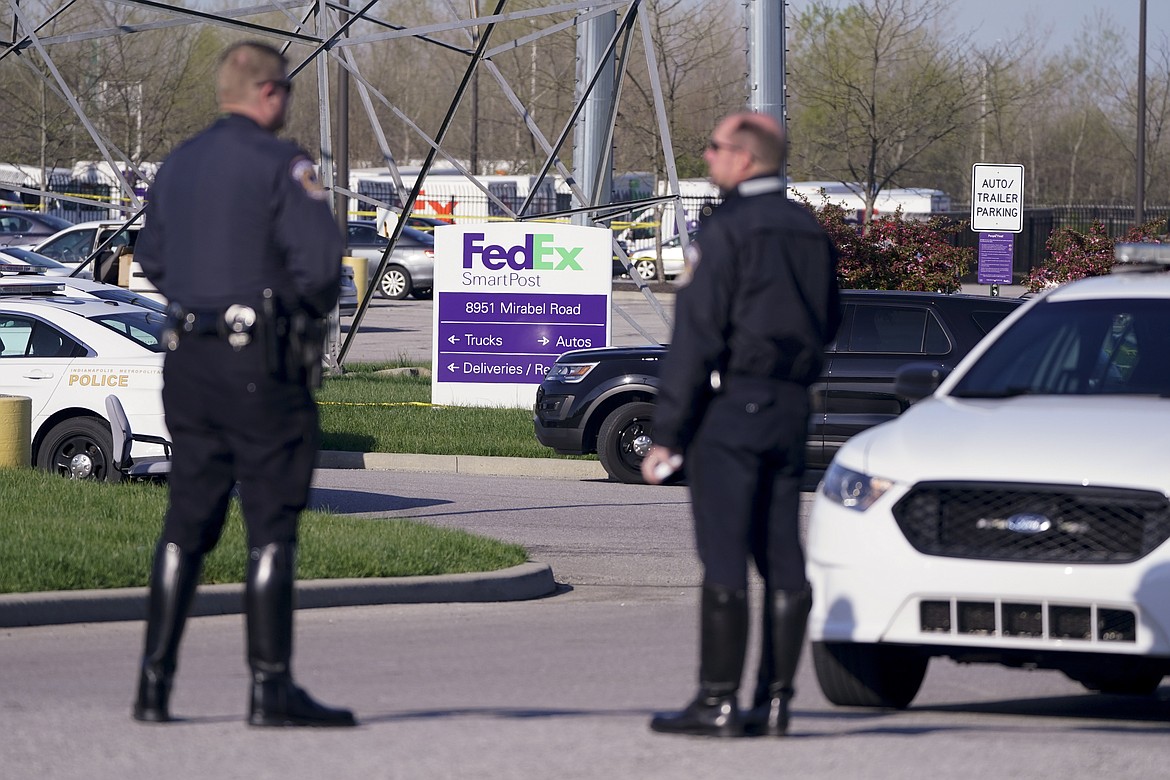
(1037, 523)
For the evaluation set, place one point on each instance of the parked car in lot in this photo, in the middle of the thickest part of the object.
(44, 265)
(67, 354)
(74, 243)
(602, 400)
(411, 270)
(18, 227)
(1018, 514)
(644, 261)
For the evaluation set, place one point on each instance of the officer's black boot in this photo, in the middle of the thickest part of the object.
(276, 700)
(785, 619)
(723, 640)
(173, 578)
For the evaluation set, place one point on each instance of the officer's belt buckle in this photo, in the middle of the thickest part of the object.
(238, 321)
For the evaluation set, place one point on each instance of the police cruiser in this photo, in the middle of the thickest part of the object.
(1019, 513)
(67, 354)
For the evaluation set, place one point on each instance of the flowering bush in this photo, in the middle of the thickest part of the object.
(897, 253)
(1075, 255)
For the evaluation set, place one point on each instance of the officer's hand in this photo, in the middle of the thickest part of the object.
(659, 464)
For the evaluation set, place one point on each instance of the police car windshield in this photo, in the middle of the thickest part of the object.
(142, 327)
(1096, 347)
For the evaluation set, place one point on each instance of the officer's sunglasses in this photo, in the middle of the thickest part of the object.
(284, 84)
(715, 146)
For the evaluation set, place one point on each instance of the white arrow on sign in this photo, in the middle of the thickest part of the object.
(453, 339)
(453, 367)
(543, 340)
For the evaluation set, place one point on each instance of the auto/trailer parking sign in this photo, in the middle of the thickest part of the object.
(509, 298)
(997, 198)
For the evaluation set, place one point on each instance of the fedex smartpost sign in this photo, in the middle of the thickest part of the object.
(509, 298)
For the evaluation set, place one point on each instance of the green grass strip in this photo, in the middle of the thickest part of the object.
(364, 411)
(59, 534)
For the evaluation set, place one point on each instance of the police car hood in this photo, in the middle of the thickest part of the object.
(1116, 441)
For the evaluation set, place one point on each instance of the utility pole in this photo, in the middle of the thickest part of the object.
(1139, 206)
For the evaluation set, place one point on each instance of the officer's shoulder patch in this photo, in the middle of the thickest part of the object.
(304, 173)
(691, 257)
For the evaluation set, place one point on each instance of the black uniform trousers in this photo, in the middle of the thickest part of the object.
(744, 467)
(230, 421)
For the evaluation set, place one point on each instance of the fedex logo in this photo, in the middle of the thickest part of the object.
(537, 253)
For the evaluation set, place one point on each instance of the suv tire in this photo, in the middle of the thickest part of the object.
(623, 440)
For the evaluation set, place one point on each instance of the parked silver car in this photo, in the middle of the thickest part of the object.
(411, 270)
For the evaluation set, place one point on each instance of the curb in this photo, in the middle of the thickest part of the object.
(526, 581)
(552, 468)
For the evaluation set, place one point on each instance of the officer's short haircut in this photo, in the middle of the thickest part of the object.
(245, 65)
(761, 139)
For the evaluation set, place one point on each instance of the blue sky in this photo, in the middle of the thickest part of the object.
(1060, 20)
(994, 19)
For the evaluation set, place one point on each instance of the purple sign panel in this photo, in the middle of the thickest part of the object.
(512, 369)
(513, 338)
(520, 307)
(518, 337)
(995, 258)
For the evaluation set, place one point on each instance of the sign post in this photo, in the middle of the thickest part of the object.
(997, 212)
(509, 298)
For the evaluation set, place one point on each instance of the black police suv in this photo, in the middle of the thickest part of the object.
(602, 400)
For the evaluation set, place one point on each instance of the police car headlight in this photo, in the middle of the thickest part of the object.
(852, 489)
(570, 372)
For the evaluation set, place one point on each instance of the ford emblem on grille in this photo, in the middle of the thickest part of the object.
(1028, 523)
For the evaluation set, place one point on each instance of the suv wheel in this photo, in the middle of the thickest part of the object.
(624, 439)
(854, 674)
(395, 283)
(645, 269)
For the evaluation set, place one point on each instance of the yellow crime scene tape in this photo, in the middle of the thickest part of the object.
(377, 403)
(616, 225)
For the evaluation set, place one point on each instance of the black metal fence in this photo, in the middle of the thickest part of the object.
(98, 194)
(1030, 248)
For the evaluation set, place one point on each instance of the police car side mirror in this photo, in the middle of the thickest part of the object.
(915, 381)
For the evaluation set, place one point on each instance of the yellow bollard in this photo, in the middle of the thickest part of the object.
(358, 264)
(15, 431)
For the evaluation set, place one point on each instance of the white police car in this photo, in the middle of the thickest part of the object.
(67, 354)
(1019, 515)
(76, 287)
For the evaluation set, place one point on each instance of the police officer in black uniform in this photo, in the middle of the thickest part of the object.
(748, 341)
(240, 239)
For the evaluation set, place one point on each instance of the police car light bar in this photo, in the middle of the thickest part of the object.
(20, 268)
(38, 288)
(1141, 257)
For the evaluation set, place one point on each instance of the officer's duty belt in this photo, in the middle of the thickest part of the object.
(234, 323)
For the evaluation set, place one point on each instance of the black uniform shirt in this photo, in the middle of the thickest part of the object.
(762, 302)
(235, 210)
